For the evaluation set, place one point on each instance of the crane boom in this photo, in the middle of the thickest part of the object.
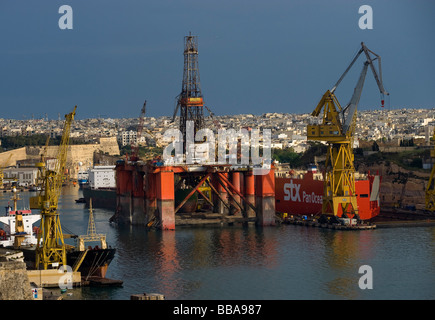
(370, 60)
(135, 146)
(215, 121)
(62, 154)
(378, 78)
(352, 105)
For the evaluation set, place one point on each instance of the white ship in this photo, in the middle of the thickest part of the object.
(18, 224)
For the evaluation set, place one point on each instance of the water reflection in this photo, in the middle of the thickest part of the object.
(285, 262)
(343, 254)
(180, 262)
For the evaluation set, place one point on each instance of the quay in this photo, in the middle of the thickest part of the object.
(335, 226)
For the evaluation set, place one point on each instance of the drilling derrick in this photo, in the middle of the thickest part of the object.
(337, 130)
(190, 100)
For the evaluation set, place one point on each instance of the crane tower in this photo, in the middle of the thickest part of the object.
(51, 249)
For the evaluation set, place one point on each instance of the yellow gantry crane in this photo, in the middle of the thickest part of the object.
(51, 250)
(337, 129)
(430, 189)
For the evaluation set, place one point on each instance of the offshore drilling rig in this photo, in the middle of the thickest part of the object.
(161, 194)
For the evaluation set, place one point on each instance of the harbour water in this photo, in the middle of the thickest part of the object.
(286, 262)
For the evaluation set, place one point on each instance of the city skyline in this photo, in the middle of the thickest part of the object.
(254, 57)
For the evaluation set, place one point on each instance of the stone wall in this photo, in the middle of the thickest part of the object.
(10, 158)
(14, 282)
(399, 186)
(76, 153)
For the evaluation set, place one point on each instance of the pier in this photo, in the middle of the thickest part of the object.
(334, 226)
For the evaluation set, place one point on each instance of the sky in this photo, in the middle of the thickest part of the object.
(255, 56)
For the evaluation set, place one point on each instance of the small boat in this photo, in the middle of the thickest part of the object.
(91, 262)
(83, 177)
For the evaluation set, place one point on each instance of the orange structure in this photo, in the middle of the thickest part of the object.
(146, 193)
(153, 194)
(250, 192)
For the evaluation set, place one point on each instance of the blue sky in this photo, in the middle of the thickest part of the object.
(254, 56)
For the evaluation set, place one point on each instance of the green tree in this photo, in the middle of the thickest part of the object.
(286, 155)
(375, 146)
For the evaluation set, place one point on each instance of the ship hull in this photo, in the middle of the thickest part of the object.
(95, 263)
(101, 198)
(305, 196)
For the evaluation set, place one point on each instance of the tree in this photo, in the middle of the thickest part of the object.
(286, 155)
(375, 146)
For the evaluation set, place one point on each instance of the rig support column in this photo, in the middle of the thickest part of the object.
(124, 193)
(150, 196)
(138, 212)
(265, 198)
(250, 193)
(221, 207)
(235, 180)
(166, 199)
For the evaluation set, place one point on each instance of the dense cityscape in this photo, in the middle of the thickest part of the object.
(288, 130)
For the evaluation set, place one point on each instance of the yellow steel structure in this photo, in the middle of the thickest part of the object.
(339, 187)
(430, 189)
(19, 223)
(92, 234)
(337, 129)
(51, 249)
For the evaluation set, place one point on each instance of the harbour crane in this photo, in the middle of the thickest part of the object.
(337, 130)
(135, 147)
(215, 121)
(140, 129)
(51, 249)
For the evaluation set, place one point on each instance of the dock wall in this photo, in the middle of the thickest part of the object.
(76, 153)
(50, 278)
(14, 282)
